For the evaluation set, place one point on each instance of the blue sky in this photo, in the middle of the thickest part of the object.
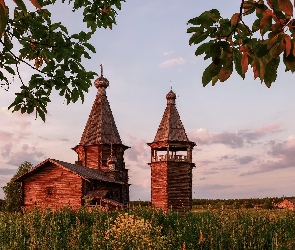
(245, 132)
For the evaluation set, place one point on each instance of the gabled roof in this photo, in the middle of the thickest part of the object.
(96, 194)
(83, 172)
(100, 127)
(171, 128)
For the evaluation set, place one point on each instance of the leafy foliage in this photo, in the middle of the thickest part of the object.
(50, 50)
(12, 191)
(232, 44)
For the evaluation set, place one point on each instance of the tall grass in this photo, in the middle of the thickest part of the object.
(144, 228)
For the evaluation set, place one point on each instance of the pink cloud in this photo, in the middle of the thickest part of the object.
(172, 62)
(32, 155)
(5, 136)
(283, 153)
(268, 129)
(139, 152)
(6, 149)
(232, 139)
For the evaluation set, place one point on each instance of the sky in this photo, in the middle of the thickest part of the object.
(245, 132)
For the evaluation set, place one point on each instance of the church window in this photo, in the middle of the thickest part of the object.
(49, 190)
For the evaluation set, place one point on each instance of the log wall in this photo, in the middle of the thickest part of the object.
(54, 187)
(159, 185)
(93, 156)
(171, 185)
(180, 186)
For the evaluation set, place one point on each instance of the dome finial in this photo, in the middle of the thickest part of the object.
(101, 70)
(101, 81)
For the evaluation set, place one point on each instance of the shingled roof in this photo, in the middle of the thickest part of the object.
(83, 172)
(100, 127)
(171, 128)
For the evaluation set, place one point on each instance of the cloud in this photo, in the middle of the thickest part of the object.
(8, 171)
(27, 153)
(260, 132)
(224, 157)
(232, 139)
(201, 136)
(204, 162)
(64, 139)
(6, 149)
(5, 136)
(210, 187)
(244, 159)
(283, 154)
(172, 62)
(138, 153)
(167, 53)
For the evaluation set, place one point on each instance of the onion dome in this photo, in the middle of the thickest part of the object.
(171, 96)
(101, 82)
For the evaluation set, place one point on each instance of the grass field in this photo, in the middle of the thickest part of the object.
(144, 228)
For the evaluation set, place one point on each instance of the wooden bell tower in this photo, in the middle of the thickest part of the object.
(171, 162)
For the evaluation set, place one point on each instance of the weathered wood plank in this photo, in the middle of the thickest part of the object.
(54, 187)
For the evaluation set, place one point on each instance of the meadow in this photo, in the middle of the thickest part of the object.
(146, 228)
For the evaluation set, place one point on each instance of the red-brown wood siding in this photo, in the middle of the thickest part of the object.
(159, 185)
(81, 154)
(66, 188)
(171, 185)
(180, 186)
(92, 156)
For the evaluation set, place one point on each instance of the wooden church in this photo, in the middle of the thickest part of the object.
(98, 177)
(171, 162)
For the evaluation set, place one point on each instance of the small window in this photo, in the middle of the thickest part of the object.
(49, 190)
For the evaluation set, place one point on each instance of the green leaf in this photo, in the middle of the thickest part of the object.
(90, 47)
(197, 38)
(271, 71)
(21, 5)
(206, 78)
(198, 32)
(41, 113)
(30, 109)
(214, 68)
(237, 57)
(261, 49)
(203, 48)
(193, 29)
(225, 46)
(9, 69)
(207, 18)
(75, 95)
(226, 70)
(256, 25)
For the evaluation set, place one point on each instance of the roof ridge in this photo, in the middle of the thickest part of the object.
(100, 127)
(171, 127)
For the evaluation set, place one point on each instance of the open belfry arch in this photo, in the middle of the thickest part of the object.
(171, 162)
